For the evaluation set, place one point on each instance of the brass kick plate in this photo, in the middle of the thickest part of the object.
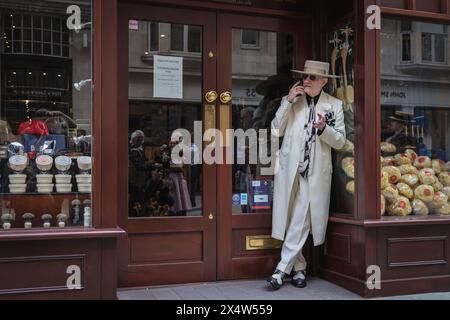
(262, 243)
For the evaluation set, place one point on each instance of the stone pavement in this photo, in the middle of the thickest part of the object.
(317, 289)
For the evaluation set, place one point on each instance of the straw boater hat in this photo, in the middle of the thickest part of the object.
(403, 117)
(316, 68)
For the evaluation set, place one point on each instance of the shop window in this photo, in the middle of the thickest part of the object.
(419, 42)
(177, 37)
(45, 118)
(38, 35)
(185, 38)
(406, 47)
(250, 39)
(194, 39)
(406, 36)
(154, 36)
(415, 132)
(434, 47)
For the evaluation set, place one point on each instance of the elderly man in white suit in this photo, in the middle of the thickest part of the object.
(312, 123)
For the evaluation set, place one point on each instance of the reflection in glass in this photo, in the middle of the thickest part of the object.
(415, 118)
(159, 187)
(45, 125)
(261, 77)
(341, 55)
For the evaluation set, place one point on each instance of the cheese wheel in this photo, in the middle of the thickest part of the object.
(424, 193)
(400, 207)
(438, 165)
(446, 190)
(390, 193)
(427, 176)
(411, 154)
(440, 199)
(403, 159)
(388, 147)
(422, 162)
(405, 190)
(438, 186)
(444, 178)
(420, 208)
(410, 179)
(445, 210)
(408, 169)
(394, 174)
(389, 161)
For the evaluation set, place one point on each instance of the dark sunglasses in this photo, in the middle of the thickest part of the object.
(310, 76)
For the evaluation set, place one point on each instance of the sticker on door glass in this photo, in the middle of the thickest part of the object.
(168, 77)
(236, 199)
(133, 25)
(244, 199)
(260, 199)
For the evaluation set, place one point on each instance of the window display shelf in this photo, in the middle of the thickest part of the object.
(59, 233)
(41, 205)
(393, 221)
(43, 194)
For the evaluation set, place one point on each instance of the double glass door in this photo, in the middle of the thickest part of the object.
(191, 85)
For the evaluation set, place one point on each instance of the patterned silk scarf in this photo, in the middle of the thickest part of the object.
(310, 141)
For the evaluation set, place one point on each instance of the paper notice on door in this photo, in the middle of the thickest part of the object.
(168, 77)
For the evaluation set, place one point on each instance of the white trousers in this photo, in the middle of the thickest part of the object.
(298, 229)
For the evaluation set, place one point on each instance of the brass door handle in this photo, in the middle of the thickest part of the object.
(226, 97)
(211, 96)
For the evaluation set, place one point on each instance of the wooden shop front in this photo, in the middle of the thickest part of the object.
(234, 79)
(158, 66)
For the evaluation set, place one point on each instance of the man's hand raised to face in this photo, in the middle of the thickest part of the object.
(297, 90)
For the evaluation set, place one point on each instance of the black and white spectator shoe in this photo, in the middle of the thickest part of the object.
(299, 279)
(276, 280)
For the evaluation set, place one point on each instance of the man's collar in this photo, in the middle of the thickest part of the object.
(316, 98)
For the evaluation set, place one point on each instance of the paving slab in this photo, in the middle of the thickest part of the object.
(239, 290)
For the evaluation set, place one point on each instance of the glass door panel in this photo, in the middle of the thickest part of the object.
(165, 94)
(261, 76)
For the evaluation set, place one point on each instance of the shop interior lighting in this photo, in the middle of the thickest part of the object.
(81, 84)
(80, 27)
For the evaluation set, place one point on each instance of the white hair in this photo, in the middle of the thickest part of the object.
(136, 134)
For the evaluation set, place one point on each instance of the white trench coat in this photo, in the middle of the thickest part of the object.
(286, 123)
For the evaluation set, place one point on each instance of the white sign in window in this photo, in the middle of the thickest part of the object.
(168, 77)
(133, 25)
